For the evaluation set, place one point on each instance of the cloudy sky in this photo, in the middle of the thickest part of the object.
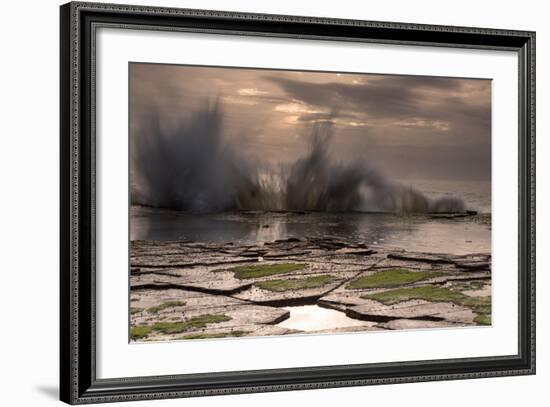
(409, 127)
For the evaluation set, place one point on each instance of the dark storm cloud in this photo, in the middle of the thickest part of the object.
(411, 126)
(375, 98)
(392, 98)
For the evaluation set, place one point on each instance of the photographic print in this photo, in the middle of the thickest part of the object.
(267, 186)
(277, 202)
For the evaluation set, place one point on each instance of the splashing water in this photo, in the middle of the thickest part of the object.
(189, 168)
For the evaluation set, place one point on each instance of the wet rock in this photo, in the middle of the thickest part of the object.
(145, 299)
(365, 328)
(467, 262)
(389, 262)
(415, 324)
(289, 240)
(240, 331)
(349, 259)
(415, 309)
(485, 291)
(451, 215)
(202, 277)
(286, 254)
(356, 252)
(340, 300)
(458, 276)
(473, 261)
(185, 261)
(479, 265)
(344, 297)
(253, 253)
(195, 280)
(422, 257)
(288, 297)
(311, 268)
(175, 307)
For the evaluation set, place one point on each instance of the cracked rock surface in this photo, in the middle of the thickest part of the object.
(191, 290)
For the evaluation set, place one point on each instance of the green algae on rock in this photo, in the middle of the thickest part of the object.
(236, 334)
(265, 270)
(296, 284)
(483, 319)
(392, 278)
(140, 332)
(199, 321)
(480, 305)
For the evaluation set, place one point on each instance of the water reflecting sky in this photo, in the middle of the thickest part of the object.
(414, 233)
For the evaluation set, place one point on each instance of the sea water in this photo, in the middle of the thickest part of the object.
(412, 232)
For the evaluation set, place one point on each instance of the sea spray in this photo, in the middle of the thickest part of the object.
(189, 167)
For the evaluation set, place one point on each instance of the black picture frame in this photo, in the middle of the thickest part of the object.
(78, 382)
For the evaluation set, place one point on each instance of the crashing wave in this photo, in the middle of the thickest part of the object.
(190, 168)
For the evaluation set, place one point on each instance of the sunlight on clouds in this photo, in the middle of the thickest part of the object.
(251, 92)
(239, 100)
(294, 108)
(435, 124)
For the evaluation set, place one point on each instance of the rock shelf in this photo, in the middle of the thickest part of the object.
(195, 290)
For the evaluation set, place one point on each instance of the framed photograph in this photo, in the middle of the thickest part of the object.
(255, 203)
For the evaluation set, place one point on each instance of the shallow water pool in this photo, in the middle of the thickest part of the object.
(314, 318)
